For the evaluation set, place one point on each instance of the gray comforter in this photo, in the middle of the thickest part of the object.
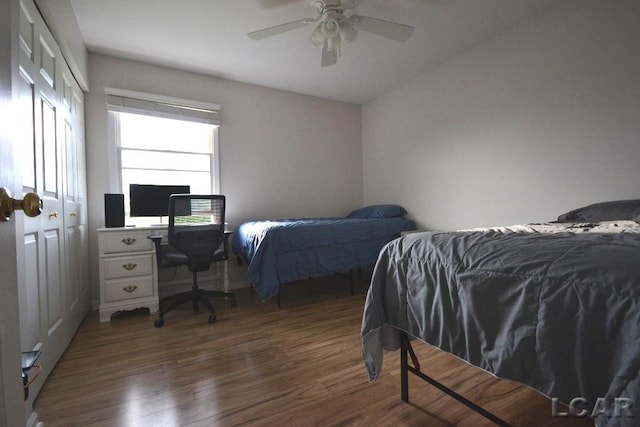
(554, 306)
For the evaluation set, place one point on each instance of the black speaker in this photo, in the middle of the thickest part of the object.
(113, 210)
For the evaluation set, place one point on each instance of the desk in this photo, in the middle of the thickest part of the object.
(128, 269)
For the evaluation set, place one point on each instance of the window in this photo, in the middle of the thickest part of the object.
(164, 143)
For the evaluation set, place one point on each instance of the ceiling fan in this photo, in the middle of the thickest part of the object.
(334, 28)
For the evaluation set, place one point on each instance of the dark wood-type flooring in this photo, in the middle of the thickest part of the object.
(300, 365)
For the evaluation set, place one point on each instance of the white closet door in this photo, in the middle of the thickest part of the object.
(53, 289)
(75, 199)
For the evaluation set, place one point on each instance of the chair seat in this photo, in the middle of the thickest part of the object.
(172, 258)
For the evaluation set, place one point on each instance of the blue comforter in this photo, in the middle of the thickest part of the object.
(284, 251)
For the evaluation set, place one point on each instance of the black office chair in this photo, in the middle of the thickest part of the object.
(196, 239)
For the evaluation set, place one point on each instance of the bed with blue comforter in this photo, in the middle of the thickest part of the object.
(287, 250)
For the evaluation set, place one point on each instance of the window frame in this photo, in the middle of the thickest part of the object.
(114, 132)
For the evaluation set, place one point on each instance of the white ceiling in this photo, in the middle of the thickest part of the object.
(209, 36)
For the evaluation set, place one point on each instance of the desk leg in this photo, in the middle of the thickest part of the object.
(226, 276)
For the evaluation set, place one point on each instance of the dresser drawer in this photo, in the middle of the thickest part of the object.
(128, 289)
(127, 266)
(126, 241)
(128, 273)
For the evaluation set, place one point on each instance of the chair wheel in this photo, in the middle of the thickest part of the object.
(212, 318)
(159, 323)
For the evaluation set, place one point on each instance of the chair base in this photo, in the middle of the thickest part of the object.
(196, 296)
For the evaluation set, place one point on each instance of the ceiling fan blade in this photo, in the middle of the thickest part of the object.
(329, 57)
(279, 29)
(270, 4)
(388, 29)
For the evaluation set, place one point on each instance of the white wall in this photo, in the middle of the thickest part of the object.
(282, 155)
(535, 122)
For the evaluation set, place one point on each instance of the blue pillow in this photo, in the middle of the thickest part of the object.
(378, 211)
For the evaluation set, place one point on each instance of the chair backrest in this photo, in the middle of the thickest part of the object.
(196, 225)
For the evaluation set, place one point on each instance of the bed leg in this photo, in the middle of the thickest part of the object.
(352, 279)
(404, 370)
(405, 351)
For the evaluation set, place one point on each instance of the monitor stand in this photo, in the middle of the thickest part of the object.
(160, 224)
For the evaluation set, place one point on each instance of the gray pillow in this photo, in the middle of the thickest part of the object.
(605, 211)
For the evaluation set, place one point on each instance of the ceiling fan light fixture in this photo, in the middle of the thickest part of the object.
(334, 29)
(330, 26)
(347, 32)
(316, 37)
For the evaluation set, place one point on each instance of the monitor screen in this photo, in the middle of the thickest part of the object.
(153, 200)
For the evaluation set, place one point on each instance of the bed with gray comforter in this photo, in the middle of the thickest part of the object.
(555, 306)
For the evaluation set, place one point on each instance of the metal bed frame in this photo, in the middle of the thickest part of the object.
(351, 275)
(406, 351)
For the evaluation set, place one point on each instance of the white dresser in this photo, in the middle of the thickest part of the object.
(128, 273)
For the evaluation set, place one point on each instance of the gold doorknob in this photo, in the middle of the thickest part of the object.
(31, 204)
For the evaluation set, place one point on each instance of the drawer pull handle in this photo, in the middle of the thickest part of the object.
(73, 214)
(128, 241)
(53, 215)
(129, 266)
(130, 288)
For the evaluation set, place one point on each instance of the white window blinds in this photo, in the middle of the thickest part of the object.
(167, 110)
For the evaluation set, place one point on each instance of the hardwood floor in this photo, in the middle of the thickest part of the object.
(300, 365)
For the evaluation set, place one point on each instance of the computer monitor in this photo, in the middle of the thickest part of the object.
(152, 200)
